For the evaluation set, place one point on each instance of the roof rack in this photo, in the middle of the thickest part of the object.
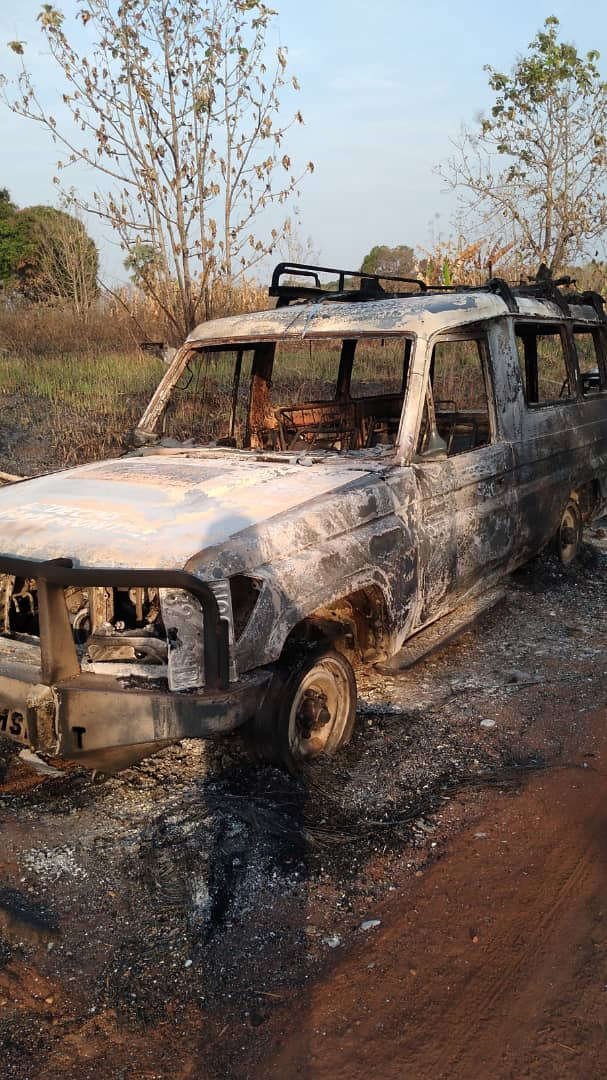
(370, 287)
(545, 287)
(590, 298)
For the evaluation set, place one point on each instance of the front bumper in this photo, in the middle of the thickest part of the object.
(103, 721)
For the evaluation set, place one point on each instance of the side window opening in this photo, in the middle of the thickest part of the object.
(456, 414)
(380, 367)
(305, 371)
(542, 352)
(588, 351)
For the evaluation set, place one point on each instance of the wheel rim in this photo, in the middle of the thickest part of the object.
(320, 710)
(568, 535)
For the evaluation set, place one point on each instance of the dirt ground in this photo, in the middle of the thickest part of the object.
(432, 904)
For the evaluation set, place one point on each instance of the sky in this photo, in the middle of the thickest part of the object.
(385, 86)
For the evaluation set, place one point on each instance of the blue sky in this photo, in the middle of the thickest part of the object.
(385, 85)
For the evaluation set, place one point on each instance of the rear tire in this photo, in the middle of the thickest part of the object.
(309, 708)
(568, 536)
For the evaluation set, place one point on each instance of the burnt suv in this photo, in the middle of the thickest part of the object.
(309, 488)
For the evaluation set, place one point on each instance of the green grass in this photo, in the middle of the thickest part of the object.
(79, 381)
(67, 408)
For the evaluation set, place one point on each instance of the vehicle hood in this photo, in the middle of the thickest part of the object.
(160, 512)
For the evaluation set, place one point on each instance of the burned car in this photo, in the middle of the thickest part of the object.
(313, 486)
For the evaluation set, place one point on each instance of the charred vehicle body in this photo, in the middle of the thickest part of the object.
(380, 460)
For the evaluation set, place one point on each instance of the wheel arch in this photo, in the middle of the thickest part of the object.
(355, 624)
(280, 616)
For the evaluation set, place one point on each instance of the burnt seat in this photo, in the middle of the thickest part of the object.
(463, 431)
(344, 424)
(378, 418)
(328, 425)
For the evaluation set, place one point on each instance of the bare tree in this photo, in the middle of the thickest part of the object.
(66, 261)
(538, 162)
(294, 247)
(176, 108)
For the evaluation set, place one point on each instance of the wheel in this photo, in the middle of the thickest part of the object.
(569, 533)
(309, 708)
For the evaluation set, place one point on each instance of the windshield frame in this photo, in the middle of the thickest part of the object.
(264, 353)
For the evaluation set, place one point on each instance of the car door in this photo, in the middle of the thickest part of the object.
(463, 469)
(559, 427)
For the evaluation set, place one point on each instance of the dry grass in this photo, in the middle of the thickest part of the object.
(115, 323)
(71, 389)
(65, 408)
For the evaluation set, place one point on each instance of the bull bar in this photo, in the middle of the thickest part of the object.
(102, 720)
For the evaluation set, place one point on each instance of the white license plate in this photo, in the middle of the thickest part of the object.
(14, 724)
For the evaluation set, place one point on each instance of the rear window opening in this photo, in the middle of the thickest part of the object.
(542, 352)
(588, 351)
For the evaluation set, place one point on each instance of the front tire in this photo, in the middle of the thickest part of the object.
(309, 708)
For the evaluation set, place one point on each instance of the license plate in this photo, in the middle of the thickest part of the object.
(14, 724)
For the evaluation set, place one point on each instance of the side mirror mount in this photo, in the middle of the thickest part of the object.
(436, 450)
(436, 447)
(139, 437)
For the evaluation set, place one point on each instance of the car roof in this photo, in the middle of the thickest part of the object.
(421, 315)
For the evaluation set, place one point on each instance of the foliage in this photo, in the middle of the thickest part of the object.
(142, 261)
(62, 260)
(177, 106)
(537, 162)
(6, 206)
(13, 242)
(46, 254)
(399, 261)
